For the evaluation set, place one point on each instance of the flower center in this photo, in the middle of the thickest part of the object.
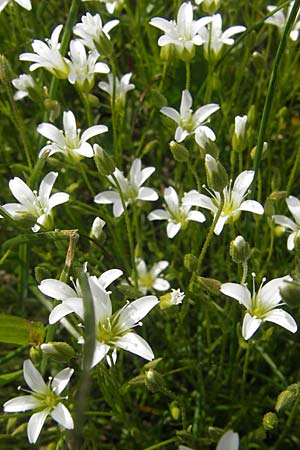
(146, 280)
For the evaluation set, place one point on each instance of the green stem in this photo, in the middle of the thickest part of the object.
(293, 171)
(129, 231)
(292, 415)
(245, 272)
(188, 75)
(272, 86)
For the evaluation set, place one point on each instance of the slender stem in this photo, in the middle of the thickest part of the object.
(272, 86)
(210, 233)
(292, 415)
(293, 171)
(245, 272)
(129, 230)
(188, 75)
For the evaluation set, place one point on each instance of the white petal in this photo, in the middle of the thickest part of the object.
(197, 216)
(100, 352)
(93, 131)
(180, 134)
(101, 299)
(62, 310)
(161, 285)
(35, 425)
(194, 198)
(56, 289)
(135, 311)
(173, 229)
(25, 4)
(69, 123)
(294, 206)
(229, 441)
(22, 403)
(291, 241)
(282, 318)
(109, 276)
(171, 199)
(62, 415)
(33, 378)
(46, 188)
(171, 113)
(51, 132)
(238, 292)
(135, 344)
(159, 214)
(22, 193)
(147, 194)
(232, 31)
(106, 197)
(220, 224)
(252, 206)
(118, 208)
(57, 199)
(159, 267)
(270, 294)
(285, 222)
(61, 380)
(186, 102)
(250, 325)
(242, 182)
(204, 112)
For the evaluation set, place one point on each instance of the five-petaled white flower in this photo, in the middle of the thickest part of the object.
(45, 398)
(149, 279)
(24, 83)
(175, 213)
(131, 188)
(189, 122)
(71, 298)
(183, 34)
(279, 20)
(69, 142)
(261, 306)
(26, 4)
(234, 201)
(83, 67)
(90, 28)
(293, 204)
(122, 86)
(35, 207)
(48, 56)
(214, 38)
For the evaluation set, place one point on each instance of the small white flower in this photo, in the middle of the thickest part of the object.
(24, 83)
(26, 4)
(69, 142)
(122, 86)
(177, 215)
(261, 306)
(35, 206)
(97, 228)
(240, 126)
(214, 38)
(90, 28)
(279, 20)
(131, 188)
(45, 398)
(183, 34)
(71, 298)
(294, 206)
(234, 201)
(189, 122)
(48, 56)
(148, 279)
(176, 297)
(83, 67)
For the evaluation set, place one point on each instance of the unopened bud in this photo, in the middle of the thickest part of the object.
(285, 400)
(269, 207)
(35, 355)
(251, 116)
(210, 284)
(239, 141)
(60, 351)
(270, 421)
(210, 6)
(179, 151)
(97, 229)
(190, 262)
(263, 153)
(290, 293)
(258, 60)
(104, 162)
(240, 250)
(154, 381)
(216, 174)
(174, 410)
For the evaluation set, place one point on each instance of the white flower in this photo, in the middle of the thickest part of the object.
(71, 298)
(176, 297)
(83, 67)
(97, 228)
(177, 215)
(131, 188)
(214, 38)
(26, 4)
(69, 142)
(35, 206)
(261, 306)
(279, 20)
(240, 126)
(183, 34)
(45, 398)
(234, 201)
(229, 441)
(148, 279)
(24, 83)
(122, 86)
(48, 56)
(294, 206)
(189, 122)
(90, 28)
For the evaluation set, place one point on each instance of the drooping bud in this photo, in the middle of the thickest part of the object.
(179, 151)
(60, 351)
(290, 292)
(216, 174)
(104, 162)
(240, 250)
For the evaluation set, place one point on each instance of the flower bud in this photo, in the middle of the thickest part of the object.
(103, 44)
(154, 381)
(269, 207)
(258, 61)
(210, 6)
(172, 298)
(60, 351)
(263, 154)
(97, 232)
(179, 151)
(240, 250)
(35, 355)
(270, 421)
(285, 399)
(251, 116)
(239, 140)
(174, 410)
(210, 284)
(290, 292)
(190, 262)
(104, 162)
(217, 178)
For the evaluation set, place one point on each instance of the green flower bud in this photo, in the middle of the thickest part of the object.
(35, 355)
(154, 381)
(97, 232)
(290, 292)
(210, 284)
(269, 207)
(263, 154)
(285, 400)
(270, 421)
(277, 195)
(211, 6)
(258, 61)
(251, 116)
(104, 45)
(104, 162)
(240, 250)
(179, 151)
(60, 351)
(174, 410)
(217, 178)
(190, 262)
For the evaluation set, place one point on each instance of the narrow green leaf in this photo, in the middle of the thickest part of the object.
(16, 330)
